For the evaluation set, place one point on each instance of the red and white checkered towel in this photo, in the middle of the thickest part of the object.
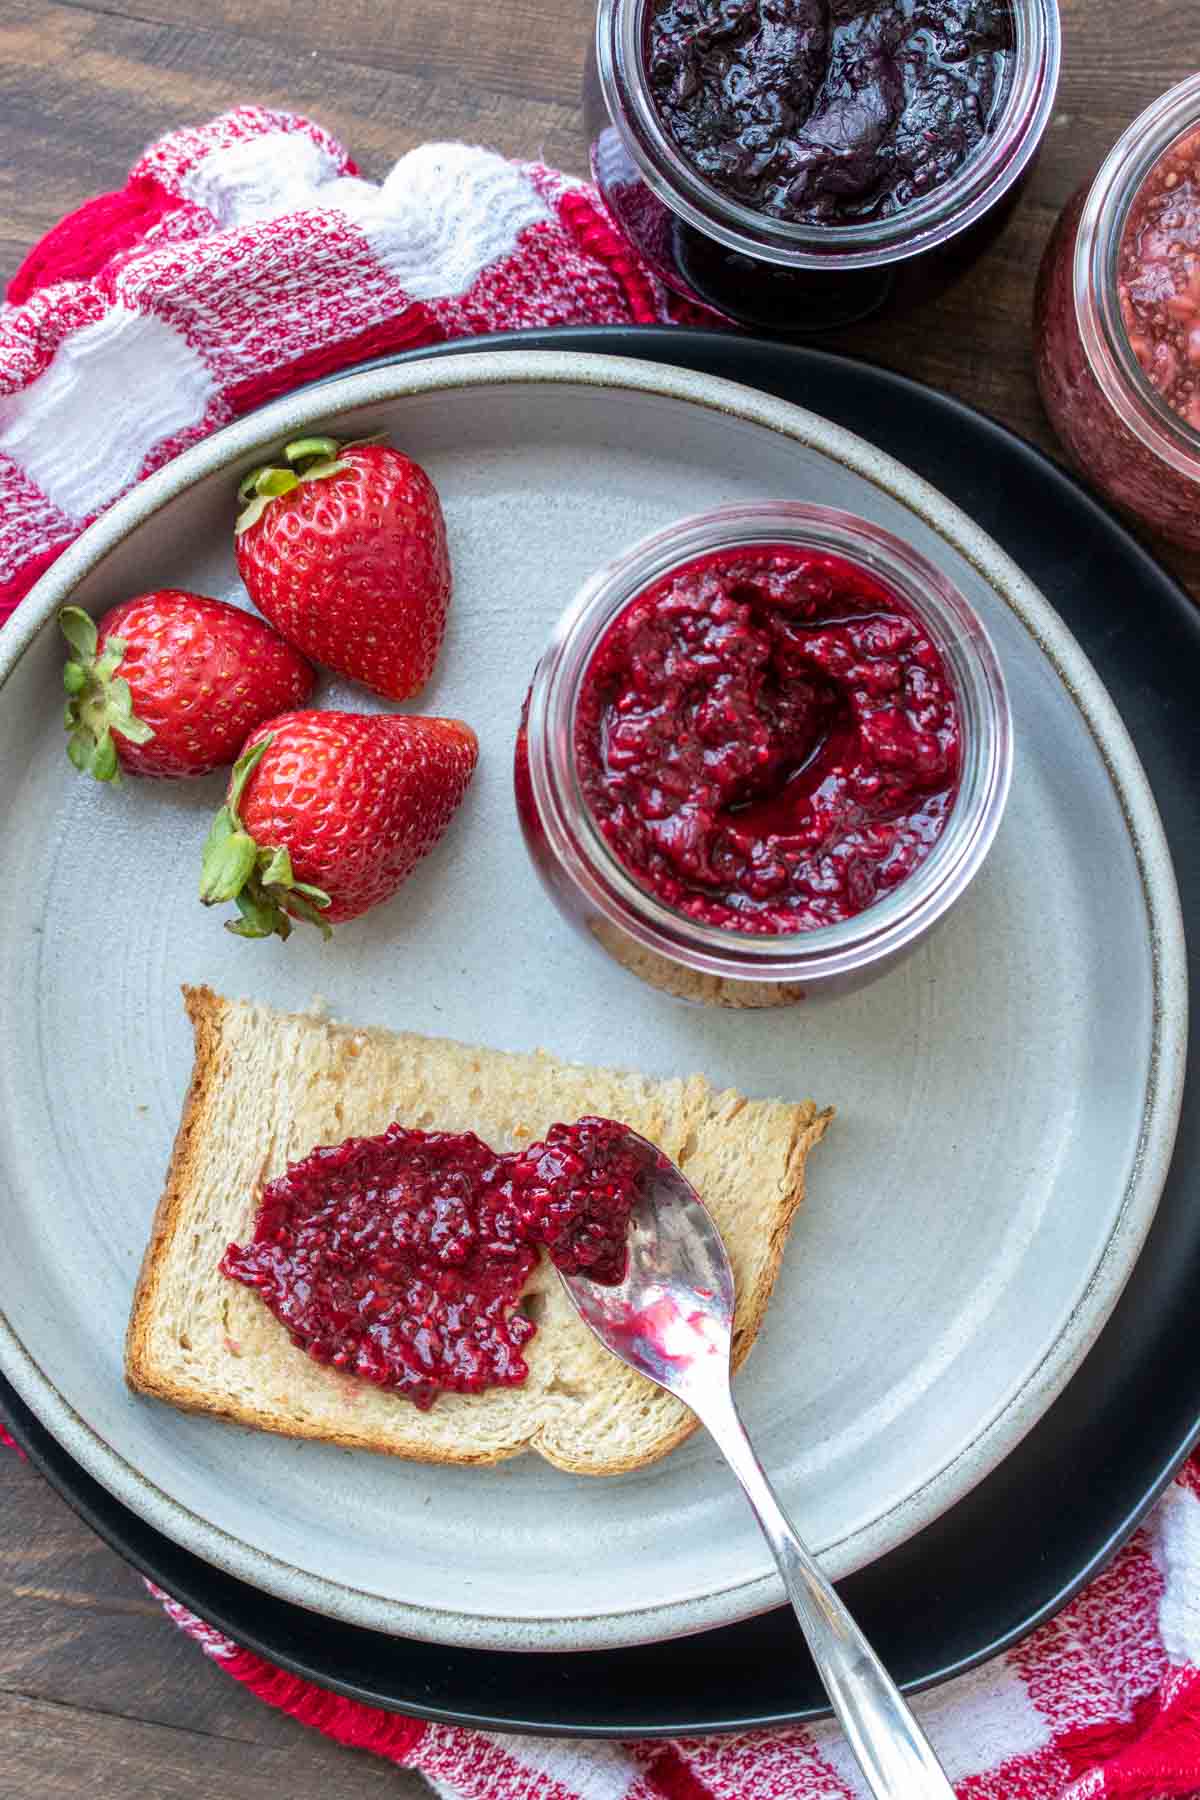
(240, 259)
(247, 256)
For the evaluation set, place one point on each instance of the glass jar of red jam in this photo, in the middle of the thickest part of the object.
(764, 752)
(1117, 320)
(796, 167)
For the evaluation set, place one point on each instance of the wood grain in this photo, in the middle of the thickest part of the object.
(49, 1749)
(99, 1695)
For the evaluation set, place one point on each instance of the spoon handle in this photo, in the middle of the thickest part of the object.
(893, 1752)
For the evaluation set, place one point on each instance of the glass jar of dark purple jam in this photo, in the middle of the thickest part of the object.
(798, 165)
(1117, 320)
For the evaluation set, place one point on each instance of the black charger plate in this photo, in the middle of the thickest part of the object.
(1011, 1553)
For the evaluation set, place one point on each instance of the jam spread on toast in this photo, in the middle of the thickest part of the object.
(402, 1258)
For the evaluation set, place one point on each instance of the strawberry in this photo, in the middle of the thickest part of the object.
(171, 684)
(344, 550)
(327, 812)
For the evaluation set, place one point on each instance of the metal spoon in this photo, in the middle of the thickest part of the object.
(672, 1319)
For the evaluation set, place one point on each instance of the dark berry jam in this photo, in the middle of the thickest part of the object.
(1158, 277)
(768, 739)
(401, 1258)
(828, 112)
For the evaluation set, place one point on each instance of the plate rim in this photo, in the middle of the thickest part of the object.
(1014, 1415)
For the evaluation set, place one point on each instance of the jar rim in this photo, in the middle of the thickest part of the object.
(892, 922)
(952, 207)
(1118, 181)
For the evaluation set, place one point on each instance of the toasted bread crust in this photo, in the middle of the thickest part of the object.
(146, 1372)
(205, 1011)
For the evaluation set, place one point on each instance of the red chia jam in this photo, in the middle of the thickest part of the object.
(1133, 443)
(768, 739)
(402, 1258)
(1158, 278)
(828, 112)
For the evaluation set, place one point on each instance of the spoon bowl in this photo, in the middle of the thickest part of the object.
(671, 1318)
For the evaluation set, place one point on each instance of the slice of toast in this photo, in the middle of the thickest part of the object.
(267, 1087)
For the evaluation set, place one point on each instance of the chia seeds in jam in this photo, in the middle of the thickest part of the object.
(828, 112)
(1158, 278)
(767, 739)
(401, 1259)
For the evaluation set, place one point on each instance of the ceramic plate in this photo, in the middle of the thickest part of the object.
(1007, 1100)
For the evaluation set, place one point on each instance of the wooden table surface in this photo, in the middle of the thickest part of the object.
(99, 1695)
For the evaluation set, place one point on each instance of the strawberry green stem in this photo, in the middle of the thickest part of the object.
(304, 459)
(260, 881)
(314, 449)
(99, 702)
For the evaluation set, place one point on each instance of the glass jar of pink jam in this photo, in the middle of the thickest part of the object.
(1117, 320)
(763, 754)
